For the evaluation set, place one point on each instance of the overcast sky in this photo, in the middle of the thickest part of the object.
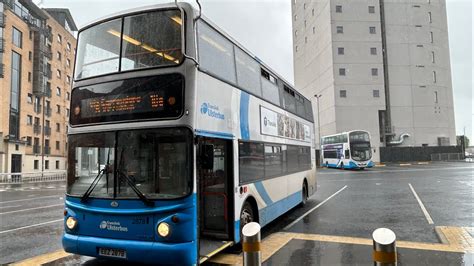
(264, 27)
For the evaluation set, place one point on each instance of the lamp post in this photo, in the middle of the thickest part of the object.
(319, 126)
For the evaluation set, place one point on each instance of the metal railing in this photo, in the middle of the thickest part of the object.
(447, 157)
(36, 149)
(47, 131)
(37, 129)
(19, 178)
(47, 150)
(2, 20)
(48, 111)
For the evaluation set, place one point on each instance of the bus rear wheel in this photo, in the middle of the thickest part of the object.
(304, 195)
(342, 166)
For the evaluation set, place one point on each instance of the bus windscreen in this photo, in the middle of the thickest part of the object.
(133, 99)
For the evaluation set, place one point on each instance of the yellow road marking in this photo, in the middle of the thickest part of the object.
(459, 240)
(43, 259)
(405, 164)
(423, 163)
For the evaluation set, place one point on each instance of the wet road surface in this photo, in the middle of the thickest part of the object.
(410, 200)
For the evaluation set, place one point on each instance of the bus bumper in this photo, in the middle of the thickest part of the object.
(139, 251)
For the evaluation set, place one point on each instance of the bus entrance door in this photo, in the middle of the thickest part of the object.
(215, 194)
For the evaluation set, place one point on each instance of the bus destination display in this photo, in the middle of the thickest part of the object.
(122, 104)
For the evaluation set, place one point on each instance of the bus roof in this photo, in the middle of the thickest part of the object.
(204, 18)
(346, 132)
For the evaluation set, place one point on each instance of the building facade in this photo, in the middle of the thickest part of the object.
(379, 65)
(37, 49)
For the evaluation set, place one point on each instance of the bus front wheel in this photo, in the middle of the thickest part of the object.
(246, 215)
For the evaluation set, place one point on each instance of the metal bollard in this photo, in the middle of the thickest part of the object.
(251, 244)
(385, 250)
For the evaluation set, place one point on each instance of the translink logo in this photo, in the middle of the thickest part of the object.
(212, 111)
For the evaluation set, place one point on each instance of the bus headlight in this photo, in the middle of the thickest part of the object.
(71, 223)
(163, 229)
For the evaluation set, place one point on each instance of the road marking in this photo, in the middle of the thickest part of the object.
(44, 258)
(11, 206)
(30, 226)
(365, 172)
(405, 164)
(314, 208)
(30, 209)
(55, 196)
(425, 212)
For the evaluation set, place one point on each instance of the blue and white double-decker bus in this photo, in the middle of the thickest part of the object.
(347, 150)
(178, 137)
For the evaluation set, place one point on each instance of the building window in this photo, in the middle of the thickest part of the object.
(15, 91)
(68, 63)
(58, 73)
(304, 6)
(57, 145)
(29, 98)
(58, 108)
(30, 56)
(68, 47)
(436, 97)
(376, 93)
(434, 76)
(342, 71)
(338, 9)
(372, 30)
(17, 37)
(296, 48)
(314, 30)
(339, 29)
(343, 93)
(58, 127)
(57, 164)
(372, 9)
(305, 39)
(68, 96)
(340, 50)
(312, 12)
(37, 106)
(58, 56)
(433, 57)
(29, 120)
(373, 51)
(60, 38)
(375, 71)
(296, 33)
(46, 164)
(29, 76)
(67, 113)
(58, 91)
(430, 18)
(296, 17)
(431, 37)
(36, 164)
(305, 23)
(28, 141)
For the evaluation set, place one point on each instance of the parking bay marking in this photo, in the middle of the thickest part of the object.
(44, 197)
(422, 206)
(314, 208)
(30, 209)
(29, 226)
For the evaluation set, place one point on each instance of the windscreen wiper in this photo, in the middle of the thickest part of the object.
(94, 184)
(142, 196)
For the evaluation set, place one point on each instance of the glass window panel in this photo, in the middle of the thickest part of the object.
(152, 39)
(270, 92)
(248, 72)
(251, 162)
(273, 160)
(216, 53)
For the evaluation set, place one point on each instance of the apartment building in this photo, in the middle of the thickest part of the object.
(379, 65)
(37, 48)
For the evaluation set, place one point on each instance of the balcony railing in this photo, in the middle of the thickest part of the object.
(48, 111)
(47, 131)
(37, 108)
(48, 73)
(48, 92)
(2, 45)
(36, 149)
(37, 129)
(47, 150)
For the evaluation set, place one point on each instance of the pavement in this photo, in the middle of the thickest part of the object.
(430, 207)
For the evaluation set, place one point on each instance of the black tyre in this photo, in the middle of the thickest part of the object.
(342, 166)
(247, 215)
(304, 195)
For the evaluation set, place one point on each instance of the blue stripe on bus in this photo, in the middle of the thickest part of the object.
(278, 208)
(244, 115)
(263, 193)
(214, 134)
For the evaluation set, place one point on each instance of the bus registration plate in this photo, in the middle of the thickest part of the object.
(112, 252)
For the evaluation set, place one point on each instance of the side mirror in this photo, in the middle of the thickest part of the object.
(206, 157)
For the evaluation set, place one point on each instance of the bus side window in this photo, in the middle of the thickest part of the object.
(346, 153)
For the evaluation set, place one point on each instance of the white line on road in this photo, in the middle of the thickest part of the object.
(45, 197)
(11, 206)
(393, 171)
(30, 209)
(425, 212)
(314, 208)
(29, 226)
